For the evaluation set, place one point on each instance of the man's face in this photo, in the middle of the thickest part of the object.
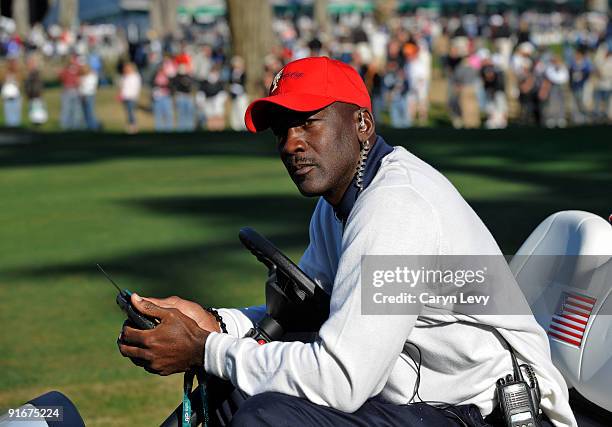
(320, 149)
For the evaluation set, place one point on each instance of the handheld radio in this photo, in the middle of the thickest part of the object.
(519, 400)
(125, 304)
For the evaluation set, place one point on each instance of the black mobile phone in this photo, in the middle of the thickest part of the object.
(125, 303)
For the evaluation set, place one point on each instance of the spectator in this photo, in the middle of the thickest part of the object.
(419, 67)
(603, 84)
(183, 85)
(466, 78)
(33, 87)
(397, 87)
(501, 36)
(528, 94)
(88, 86)
(94, 60)
(240, 100)
(527, 83)
(71, 112)
(11, 94)
(215, 98)
(496, 106)
(129, 92)
(163, 111)
(374, 82)
(556, 77)
(453, 60)
(184, 58)
(202, 64)
(579, 71)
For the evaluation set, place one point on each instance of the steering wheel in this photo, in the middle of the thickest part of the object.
(293, 299)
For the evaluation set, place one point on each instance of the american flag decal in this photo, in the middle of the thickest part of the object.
(571, 318)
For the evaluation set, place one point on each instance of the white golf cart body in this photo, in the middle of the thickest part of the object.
(569, 294)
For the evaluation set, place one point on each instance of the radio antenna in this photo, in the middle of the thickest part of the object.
(108, 277)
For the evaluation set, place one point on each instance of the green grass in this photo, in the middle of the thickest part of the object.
(162, 212)
(109, 110)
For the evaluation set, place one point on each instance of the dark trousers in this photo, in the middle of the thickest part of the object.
(237, 409)
(280, 410)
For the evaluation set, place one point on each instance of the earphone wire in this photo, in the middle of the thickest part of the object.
(431, 403)
(363, 158)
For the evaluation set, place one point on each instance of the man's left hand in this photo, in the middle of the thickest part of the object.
(175, 345)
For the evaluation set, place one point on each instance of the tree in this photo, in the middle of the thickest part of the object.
(162, 15)
(68, 12)
(321, 16)
(251, 28)
(384, 10)
(597, 5)
(21, 15)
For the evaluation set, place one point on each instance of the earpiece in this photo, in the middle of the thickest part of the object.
(362, 124)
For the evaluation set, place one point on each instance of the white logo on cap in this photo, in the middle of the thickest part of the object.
(277, 78)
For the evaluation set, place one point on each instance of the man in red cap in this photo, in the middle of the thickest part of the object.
(362, 370)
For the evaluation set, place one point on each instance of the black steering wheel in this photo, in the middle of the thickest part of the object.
(293, 299)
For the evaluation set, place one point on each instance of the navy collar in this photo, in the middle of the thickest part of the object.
(375, 156)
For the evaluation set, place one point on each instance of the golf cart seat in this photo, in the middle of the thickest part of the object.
(564, 269)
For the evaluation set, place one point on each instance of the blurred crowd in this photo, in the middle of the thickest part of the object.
(545, 69)
(200, 84)
(76, 60)
(551, 85)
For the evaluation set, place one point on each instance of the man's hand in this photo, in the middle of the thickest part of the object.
(203, 318)
(175, 345)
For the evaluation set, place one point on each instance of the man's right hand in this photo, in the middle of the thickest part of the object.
(203, 318)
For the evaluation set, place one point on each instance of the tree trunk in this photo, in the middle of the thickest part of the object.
(384, 10)
(252, 39)
(321, 16)
(68, 12)
(21, 15)
(597, 5)
(162, 16)
(481, 7)
(155, 17)
(169, 15)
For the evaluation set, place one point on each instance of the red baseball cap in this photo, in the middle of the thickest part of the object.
(309, 84)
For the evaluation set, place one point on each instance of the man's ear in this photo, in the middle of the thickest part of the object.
(365, 125)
